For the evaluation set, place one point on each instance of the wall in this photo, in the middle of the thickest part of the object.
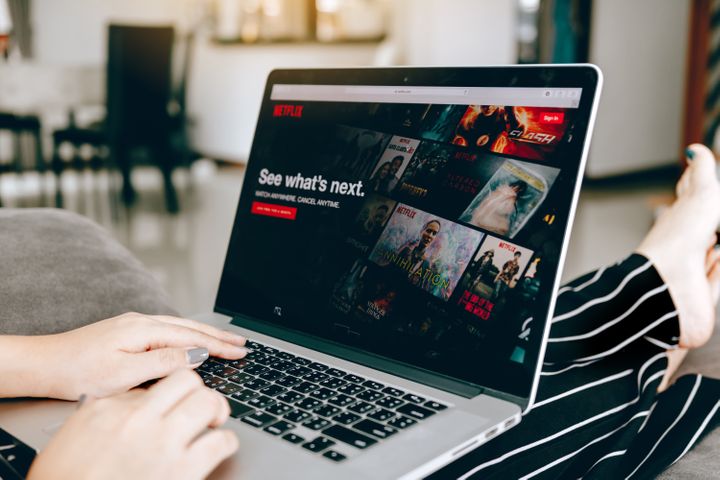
(641, 47)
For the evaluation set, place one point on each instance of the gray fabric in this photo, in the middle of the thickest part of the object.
(703, 460)
(59, 271)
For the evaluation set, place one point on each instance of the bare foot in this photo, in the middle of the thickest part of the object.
(680, 245)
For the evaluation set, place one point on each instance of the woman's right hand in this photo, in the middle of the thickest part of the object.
(154, 433)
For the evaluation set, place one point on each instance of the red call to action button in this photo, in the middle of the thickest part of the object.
(270, 210)
(552, 117)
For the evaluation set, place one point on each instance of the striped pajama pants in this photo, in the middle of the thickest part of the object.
(597, 412)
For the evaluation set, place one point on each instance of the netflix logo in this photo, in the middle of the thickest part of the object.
(282, 110)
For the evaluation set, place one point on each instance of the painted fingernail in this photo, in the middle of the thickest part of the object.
(197, 355)
(689, 153)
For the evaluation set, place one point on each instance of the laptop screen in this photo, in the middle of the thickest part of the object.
(420, 223)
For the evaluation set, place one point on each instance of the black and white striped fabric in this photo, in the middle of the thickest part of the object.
(598, 413)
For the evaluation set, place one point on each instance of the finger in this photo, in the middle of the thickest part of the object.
(202, 327)
(209, 450)
(164, 395)
(166, 335)
(192, 415)
(138, 368)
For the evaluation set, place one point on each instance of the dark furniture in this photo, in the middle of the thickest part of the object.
(23, 128)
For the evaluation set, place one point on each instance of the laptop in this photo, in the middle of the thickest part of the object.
(393, 262)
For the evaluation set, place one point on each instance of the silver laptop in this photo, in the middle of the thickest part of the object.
(394, 261)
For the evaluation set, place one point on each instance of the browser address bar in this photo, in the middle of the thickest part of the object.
(383, 90)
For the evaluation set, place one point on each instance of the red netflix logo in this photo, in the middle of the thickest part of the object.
(552, 117)
(282, 110)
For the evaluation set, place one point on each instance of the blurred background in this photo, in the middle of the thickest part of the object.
(140, 113)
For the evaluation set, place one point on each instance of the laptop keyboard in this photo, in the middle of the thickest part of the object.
(322, 409)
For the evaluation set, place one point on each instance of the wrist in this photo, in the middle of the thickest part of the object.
(26, 364)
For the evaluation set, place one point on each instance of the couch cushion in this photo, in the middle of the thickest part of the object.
(59, 271)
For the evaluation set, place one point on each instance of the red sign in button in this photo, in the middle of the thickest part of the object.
(272, 210)
(552, 117)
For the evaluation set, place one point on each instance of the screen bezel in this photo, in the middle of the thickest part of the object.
(587, 77)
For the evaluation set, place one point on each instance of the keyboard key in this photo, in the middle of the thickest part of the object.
(288, 381)
(319, 444)
(297, 416)
(251, 344)
(285, 355)
(334, 456)
(214, 382)
(413, 398)
(326, 410)
(292, 438)
(353, 378)
(278, 409)
(381, 414)
(322, 393)
(335, 372)
(308, 403)
(348, 436)
(389, 402)
(264, 360)
(375, 429)
(271, 375)
(255, 369)
(316, 423)
(373, 385)
(226, 372)
(401, 422)
(239, 364)
(341, 400)
(318, 366)
(350, 389)
(435, 405)
(289, 397)
(415, 411)
(269, 350)
(279, 428)
(315, 377)
(302, 361)
(333, 382)
(361, 407)
(393, 391)
(260, 402)
(245, 395)
(240, 378)
(256, 384)
(258, 419)
(305, 387)
(282, 365)
(298, 371)
(369, 395)
(346, 418)
(228, 388)
(272, 390)
(238, 409)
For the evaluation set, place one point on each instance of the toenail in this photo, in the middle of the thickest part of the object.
(689, 153)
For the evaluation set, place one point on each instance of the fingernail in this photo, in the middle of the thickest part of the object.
(81, 400)
(197, 355)
(689, 153)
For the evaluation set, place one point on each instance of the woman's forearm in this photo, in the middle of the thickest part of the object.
(24, 367)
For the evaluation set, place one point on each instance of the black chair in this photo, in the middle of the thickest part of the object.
(21, 128)
(138, 93)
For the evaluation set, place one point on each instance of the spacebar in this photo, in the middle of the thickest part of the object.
(348, 436)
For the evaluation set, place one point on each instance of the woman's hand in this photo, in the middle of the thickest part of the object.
(111, 356)
(154, 433)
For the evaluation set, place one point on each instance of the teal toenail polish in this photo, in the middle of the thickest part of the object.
(689, 154)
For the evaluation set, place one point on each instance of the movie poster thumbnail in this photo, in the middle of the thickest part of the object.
(379, 299)
(424, 170)
(430, 252)
(393, 162)
(511, 196)
(395, 116)
(356, 151)
(349, 287)
(528, 132)
(441, 121)
(370, 221)
(533, 132)
(494, 271)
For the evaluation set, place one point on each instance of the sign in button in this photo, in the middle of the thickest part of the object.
(272, 210)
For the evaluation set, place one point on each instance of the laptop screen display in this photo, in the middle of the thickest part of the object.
(423, 223)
